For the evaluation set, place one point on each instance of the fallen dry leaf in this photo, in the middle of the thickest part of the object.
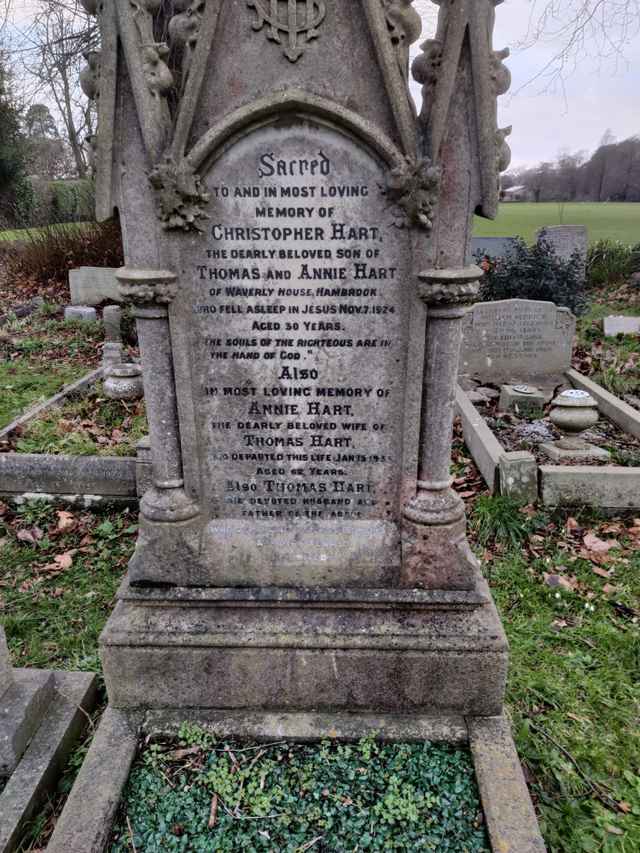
(66, 520)
(31, 536)
(610, 589)
(599, 546)
(602, 573)
(559, 581)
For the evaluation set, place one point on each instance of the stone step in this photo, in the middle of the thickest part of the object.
(21, 711)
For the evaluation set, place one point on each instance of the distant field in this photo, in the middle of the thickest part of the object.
(604, 220)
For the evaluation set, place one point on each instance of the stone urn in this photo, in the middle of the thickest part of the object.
(573, 412)
(123, 382)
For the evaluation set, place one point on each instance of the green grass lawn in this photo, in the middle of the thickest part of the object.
(605, 220)
(39, 355)
(22, 234)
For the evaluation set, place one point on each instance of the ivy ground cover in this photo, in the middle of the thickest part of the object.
(198, 794)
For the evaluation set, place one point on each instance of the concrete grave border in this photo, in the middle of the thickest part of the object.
(517, 474)
(87, 818)
(37, 773)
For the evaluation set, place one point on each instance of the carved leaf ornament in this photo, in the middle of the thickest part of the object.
(166, 79)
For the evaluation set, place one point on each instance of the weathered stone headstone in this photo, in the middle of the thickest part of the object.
(620, 325)
(80, 313)
(517, 340)
(287, 222)
(93, 285)
(566, 240)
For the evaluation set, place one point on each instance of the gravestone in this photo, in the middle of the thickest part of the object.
(493, 247)
(517, 340)
(287, 221)
(93, 285)
(621, 325)
(566, 240)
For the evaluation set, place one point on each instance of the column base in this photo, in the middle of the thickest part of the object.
(168, 504)
(437, 556)
(435, 551)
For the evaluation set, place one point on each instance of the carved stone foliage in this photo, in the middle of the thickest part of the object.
(184, 28)
(90, 75)
(460, 23)
(289, 22)
(146, 288)
(405, 26)
(413, 186)
(181, 197)
(426, 67)
(504, 151)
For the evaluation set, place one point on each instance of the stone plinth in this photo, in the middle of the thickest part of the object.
(305, 650)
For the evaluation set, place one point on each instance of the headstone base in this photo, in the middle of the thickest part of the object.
(306, 649)
(560, 454)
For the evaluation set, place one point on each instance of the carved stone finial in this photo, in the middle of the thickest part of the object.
(285, 19)
(413, 185)
(180, 196)
(405, 26)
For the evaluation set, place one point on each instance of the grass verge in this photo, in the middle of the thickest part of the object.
(39, 355)
(91, 425)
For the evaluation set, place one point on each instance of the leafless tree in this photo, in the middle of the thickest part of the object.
(577, 28)
(52, 51)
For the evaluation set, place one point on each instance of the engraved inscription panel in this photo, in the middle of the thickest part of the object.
(516, 339)
(298, 331)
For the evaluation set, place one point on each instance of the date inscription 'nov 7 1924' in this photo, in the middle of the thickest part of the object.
(299, 310)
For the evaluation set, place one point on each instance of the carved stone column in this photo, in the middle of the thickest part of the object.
(436, 554)
(150, 292)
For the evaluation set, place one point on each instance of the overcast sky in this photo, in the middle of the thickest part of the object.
(596, 96)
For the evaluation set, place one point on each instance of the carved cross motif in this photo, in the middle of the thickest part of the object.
(285, 17)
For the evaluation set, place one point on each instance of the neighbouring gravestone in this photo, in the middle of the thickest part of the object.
(517, 340)
(93, 285)
(287, 222)
(493, 247)
(620, 325)
(80, 313)
(566, 240)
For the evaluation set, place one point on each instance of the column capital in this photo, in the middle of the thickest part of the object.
(450, 288)
(146, 287)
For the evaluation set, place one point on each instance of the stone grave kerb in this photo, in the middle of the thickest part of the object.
(312, 103)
